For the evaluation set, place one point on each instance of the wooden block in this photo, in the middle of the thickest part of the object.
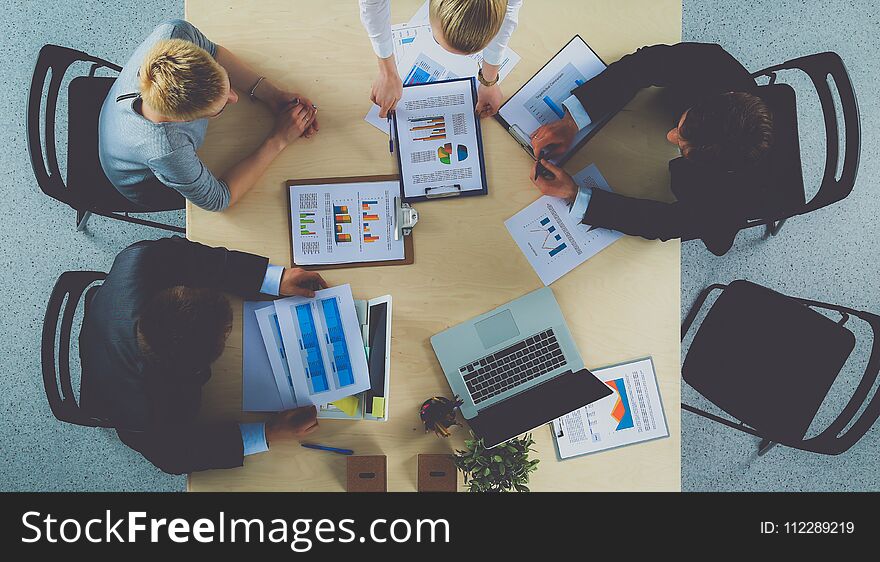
(437, 473)
(367, 473)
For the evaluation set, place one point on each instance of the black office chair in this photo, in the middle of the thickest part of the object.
(68, 290)
(769, 361)
(87, 189)
(786, 178)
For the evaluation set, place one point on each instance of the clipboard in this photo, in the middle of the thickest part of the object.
(524, 139)
(452, 190)
(408, 246)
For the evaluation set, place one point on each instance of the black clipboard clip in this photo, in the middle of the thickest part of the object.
(405, 218)
(439, 191)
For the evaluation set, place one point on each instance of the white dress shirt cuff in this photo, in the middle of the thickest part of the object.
(581, 203)
(253, 438)
(272, 280)
(494, 54)
(577, 111)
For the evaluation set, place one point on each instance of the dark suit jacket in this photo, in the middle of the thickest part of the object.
(154, 412)
(711, 204)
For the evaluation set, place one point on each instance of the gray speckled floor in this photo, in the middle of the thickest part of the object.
(39, 242)
(830, 255)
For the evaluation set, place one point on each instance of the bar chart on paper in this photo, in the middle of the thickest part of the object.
(343, 223)
(546, 105)
(549, 237)
(553, 241)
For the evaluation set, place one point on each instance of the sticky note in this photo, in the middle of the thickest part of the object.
(379, 406)
(349, 405)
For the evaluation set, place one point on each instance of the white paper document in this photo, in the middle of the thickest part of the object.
(323, 348)
(552, 240)
(437, 139)
(344, 223)
(632, 413)
(539, 101)
(420, 59)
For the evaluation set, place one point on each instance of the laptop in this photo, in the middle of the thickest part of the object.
(516, 368)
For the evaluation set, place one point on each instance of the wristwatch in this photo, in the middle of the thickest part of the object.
(485, 82)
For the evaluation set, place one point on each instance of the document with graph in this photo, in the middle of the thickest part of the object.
(322, 345)
(438, 141)
(539, 101)
(336, 223)
(632, 413)
(552, 240)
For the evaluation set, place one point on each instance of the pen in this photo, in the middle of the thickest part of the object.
(540, 169)
(390, 138)
(325, 448)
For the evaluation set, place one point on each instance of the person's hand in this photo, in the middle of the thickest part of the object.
(292, 424)
(387, 87)
(279, 100)
(561, 185)
(297, 281)
(293, 122)
(488, 100)
(556, 137)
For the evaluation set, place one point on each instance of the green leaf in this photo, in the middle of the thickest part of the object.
(497, 458)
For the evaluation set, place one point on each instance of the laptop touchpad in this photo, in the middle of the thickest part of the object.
(496, 329)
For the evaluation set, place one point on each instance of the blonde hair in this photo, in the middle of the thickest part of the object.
(468, 25)
(181, 80)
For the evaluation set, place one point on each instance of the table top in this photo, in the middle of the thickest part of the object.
(622, 304)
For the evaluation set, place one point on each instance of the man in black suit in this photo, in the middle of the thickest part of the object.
(149, 336)
(724, 133)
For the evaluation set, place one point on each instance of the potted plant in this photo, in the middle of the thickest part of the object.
(504, 468)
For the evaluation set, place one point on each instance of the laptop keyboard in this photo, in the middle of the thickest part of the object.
(512, 366)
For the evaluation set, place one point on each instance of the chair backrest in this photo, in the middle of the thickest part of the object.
(60, 311)
(55, 60)
(819, 68)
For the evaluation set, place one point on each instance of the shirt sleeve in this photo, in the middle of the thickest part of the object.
(253, 438)
(272, 281)
(182, 29)
(495, 50)
(376, 17)
(581, 203)
(577, 112)
(182, 170)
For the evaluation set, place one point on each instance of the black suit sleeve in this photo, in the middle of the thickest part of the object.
(189, 448)
(196, 265)
(658, 220)
(688, 67)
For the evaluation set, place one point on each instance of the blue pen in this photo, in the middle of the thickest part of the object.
(325, 448)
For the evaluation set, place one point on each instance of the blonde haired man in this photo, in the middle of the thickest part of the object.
(157, 112)
(462, 27)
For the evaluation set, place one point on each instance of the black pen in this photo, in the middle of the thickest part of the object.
(390, 138)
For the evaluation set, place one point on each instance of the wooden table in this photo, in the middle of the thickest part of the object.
(620, 305)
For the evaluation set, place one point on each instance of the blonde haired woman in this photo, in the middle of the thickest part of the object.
(461, 27)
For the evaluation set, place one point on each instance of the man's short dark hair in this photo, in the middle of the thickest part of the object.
(732, 130)
(185, 328)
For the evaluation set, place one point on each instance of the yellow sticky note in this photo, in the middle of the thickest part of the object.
(349, 405)
(379, 406)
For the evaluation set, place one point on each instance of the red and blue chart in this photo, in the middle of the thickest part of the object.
(621, 411)
(369, 215)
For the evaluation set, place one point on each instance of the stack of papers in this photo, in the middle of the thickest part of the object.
(420, 59)
(314, 348)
